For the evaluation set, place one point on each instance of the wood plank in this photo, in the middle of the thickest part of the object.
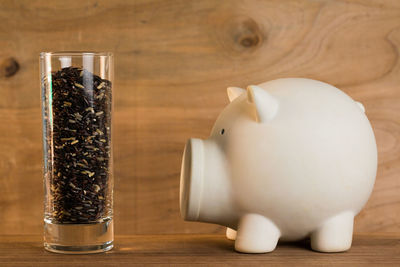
(368, 250)
(173, 61)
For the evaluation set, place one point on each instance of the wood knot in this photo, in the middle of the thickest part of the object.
(241, 34)
(247, 33)
(8, 67)
(249, 41)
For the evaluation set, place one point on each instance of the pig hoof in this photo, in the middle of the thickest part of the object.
(335, 235)
(230, 234)
(256, 234)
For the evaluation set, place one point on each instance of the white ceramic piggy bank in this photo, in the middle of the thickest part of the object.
(287, 159)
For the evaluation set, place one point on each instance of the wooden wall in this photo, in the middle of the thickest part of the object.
(173, 61)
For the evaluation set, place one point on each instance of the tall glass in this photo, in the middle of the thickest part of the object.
(78, 175)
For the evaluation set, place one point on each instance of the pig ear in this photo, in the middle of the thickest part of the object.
(266, 106)
(234, 92)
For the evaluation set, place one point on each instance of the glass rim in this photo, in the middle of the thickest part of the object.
(76, 54)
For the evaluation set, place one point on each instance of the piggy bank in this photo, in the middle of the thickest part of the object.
(286, 160)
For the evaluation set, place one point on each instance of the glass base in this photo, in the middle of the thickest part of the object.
(78, 238)
(79, 249)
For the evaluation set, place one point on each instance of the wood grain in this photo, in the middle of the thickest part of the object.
(173, 61)
(154, 250)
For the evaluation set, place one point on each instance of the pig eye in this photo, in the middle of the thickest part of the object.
(222, 131)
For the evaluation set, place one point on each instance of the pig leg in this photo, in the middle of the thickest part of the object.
(335, 234)
(230, 233)
(256, 234)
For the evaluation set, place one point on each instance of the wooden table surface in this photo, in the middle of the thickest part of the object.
(367, 249)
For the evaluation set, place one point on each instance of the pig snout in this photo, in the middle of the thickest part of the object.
(191, 179)
(205, 189)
